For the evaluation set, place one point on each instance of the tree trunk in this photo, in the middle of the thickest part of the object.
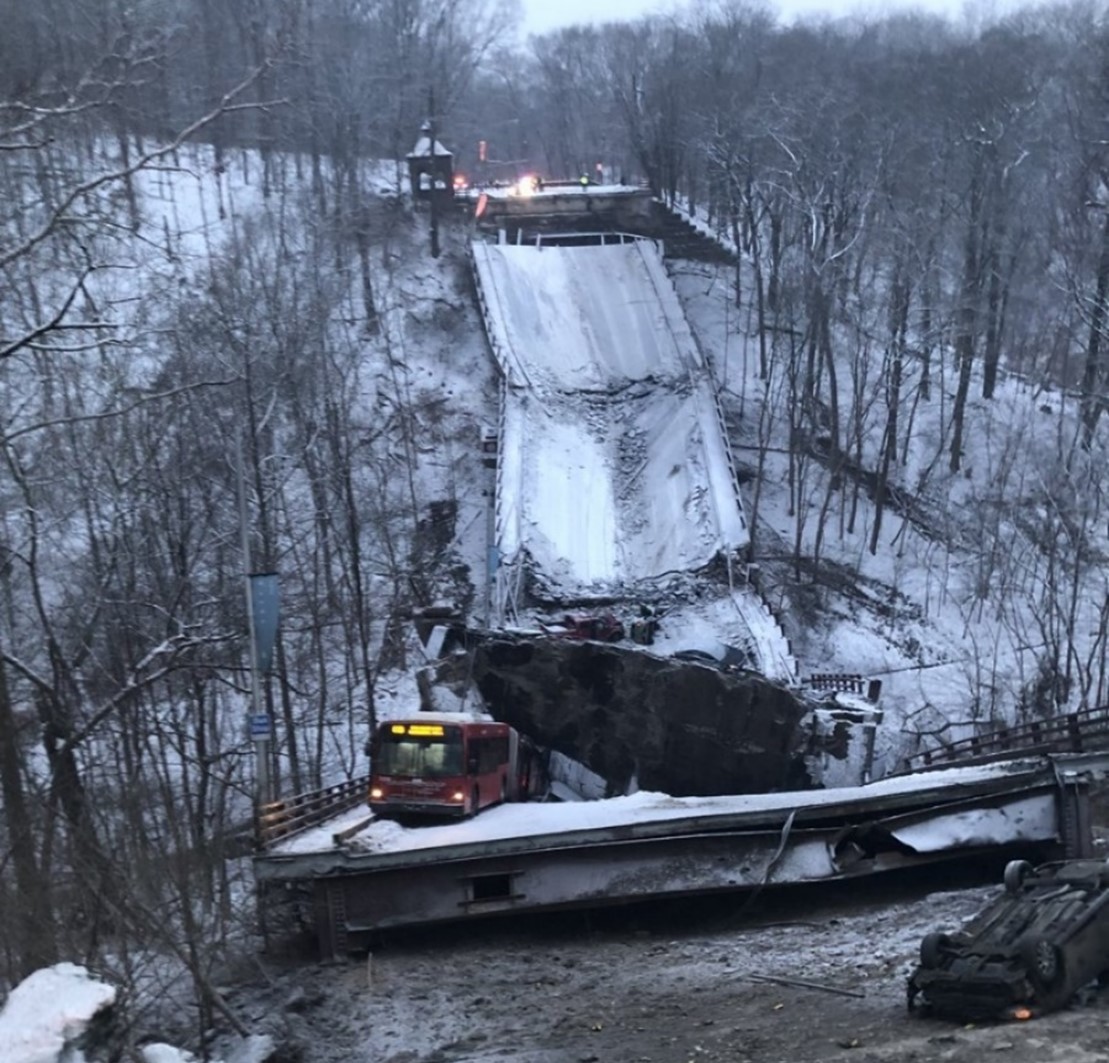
(967, 321)
(31, 921)
(1093, 375)
(899, 322)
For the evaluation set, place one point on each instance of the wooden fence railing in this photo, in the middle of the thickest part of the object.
(291, 815)
(1072, 733)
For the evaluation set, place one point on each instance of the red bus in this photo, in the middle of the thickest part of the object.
(442, 764)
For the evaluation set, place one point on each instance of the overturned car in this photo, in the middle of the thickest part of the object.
(1030, 950)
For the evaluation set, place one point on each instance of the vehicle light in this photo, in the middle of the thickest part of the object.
(458, 795)
(1020, 1013)
(426, 730)
(376, 793)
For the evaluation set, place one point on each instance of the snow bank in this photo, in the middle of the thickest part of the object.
(46, 1019)
(48, 1013)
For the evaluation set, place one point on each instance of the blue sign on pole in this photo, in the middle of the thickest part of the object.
(264, 604)
(260, 725)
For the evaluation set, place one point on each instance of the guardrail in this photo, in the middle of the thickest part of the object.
(508, 572)
(1075, 732)
(602, 237)
(282, 819)
(845, 683)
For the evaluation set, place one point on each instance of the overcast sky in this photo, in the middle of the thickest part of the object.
(543, 15)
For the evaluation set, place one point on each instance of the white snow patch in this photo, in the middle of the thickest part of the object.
(49, 1010)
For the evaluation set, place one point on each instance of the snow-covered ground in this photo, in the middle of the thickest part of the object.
(803, 978)
(48, 1010)
(950, 609)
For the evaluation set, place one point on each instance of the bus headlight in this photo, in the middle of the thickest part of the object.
(376, 793)
(458, 795)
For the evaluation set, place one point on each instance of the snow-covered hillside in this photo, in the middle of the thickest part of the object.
(976, 582)
(982, 600)
(950, 610)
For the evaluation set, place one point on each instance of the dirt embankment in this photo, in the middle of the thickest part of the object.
(799, 978)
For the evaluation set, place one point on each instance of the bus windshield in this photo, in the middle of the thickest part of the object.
(424, 757)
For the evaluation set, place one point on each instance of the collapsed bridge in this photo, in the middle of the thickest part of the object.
(613, 472)
(351, 878)
(613, 465)
(614, 483)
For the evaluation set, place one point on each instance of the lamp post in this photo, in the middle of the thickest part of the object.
(261, 616)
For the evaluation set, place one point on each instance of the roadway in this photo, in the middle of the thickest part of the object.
(615, 470)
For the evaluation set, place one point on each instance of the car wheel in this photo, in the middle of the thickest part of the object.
(1043, 961)
(933, 949)
(1016, 871)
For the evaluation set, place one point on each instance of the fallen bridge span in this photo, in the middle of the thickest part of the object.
(350, 879)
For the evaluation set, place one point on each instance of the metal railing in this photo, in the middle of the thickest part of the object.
(839, 682)
(278, 820)
(603, 238)
(1074, 732)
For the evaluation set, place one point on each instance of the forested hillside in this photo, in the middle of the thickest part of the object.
(202, 256)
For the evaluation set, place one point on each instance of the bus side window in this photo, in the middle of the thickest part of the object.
(486, 755)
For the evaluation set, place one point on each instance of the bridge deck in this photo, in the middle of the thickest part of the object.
(617, 468)
(532, 857)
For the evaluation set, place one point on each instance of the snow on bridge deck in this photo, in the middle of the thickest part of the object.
(615, 467)
(362, 834)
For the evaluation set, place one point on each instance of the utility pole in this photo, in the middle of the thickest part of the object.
(259, 726)
(434, 173)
